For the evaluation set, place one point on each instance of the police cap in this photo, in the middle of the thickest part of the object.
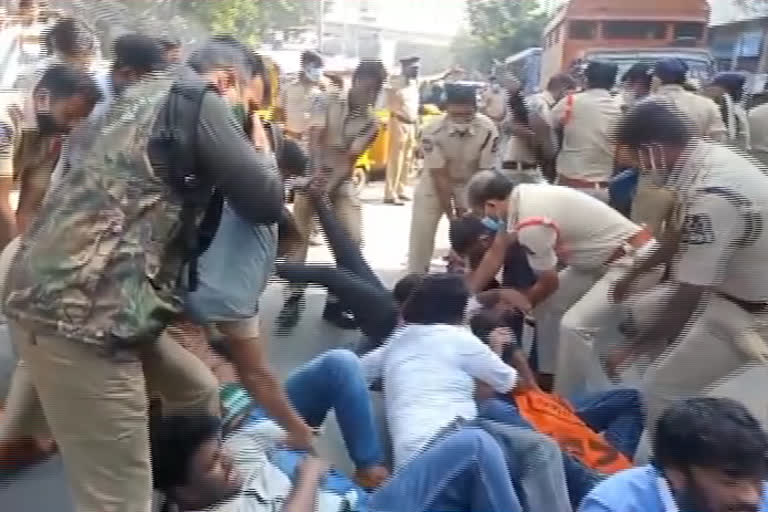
(460, 94)
(671, 71)
(410, 61)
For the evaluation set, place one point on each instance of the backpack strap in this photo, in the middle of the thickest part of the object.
(197, 195)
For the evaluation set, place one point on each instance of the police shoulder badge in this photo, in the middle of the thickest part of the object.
(698, 230)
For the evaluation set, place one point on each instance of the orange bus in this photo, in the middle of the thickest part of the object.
(627, 31)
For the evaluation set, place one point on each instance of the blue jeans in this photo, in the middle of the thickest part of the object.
(465, 471)
(579, 478)
(617, 413)
(334, 380)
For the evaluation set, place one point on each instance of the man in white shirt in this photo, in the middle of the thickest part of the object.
(560, 225)
(429, 366)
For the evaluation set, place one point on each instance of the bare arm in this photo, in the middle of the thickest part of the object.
(546, 284)
(258, 378)
(490, 264)
(303, 497)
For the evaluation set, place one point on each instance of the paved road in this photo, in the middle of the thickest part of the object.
(42, 489)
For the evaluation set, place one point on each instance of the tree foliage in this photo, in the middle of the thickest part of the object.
(498, 29)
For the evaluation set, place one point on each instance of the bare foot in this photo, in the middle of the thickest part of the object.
(371, 477)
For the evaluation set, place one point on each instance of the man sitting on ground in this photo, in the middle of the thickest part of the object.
(710, 456)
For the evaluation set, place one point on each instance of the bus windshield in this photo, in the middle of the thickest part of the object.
(700, 65)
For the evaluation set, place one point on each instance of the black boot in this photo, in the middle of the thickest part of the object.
(290, 314)
(335, 314)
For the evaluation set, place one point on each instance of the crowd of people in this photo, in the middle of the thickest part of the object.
(605, 276)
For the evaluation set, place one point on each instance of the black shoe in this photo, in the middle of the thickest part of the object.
(334, 314)
(290, 314)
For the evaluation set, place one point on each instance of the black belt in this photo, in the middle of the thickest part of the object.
(749, 307)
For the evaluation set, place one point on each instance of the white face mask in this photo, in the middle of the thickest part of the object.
(313, 73)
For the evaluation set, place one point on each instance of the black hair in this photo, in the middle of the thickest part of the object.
(139, 52)
(405, 286)
(601, 75)
(62, 81)
(372, 69)
(488, 185)
(638, 73)
(484, 322)
(465, 231)
(292, 160)
(253, 60)
(69, 37)
(562, 80)
(518, 107)
(733, 83)
(716, 433)
(174, 440)
(438, 299)
(309, 57)
(654, 121)
(169, 43)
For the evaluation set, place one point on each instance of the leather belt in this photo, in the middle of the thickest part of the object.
(518, 166)
(749, 307)
(578, 183)
(636, 241)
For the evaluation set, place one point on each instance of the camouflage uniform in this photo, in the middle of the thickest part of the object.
(91, 289)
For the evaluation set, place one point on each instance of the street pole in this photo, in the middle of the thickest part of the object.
(320, 24)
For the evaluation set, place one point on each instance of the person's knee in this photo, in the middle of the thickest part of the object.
(474, 442)
(341, 363)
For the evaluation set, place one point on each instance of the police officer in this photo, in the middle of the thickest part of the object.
(403, 99)
(455, 147)
(495, 101)
(298, 96)
(708, 321)
(586, 158)
(31, 140)
(342, 126)
(652, 204)
(558, 226)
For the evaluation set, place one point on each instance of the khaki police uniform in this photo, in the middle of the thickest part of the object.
(652, 205)
(557, 225)
(344, 133)
(758, 129)
(460, 156)
(521, 164)
(723, 211)
(403, 104)
(296, 101)
(495, 104)
(587, 157)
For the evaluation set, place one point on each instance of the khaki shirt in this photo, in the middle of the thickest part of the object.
(296, 100)
(702, 112)
(588, 152)
(403, 100)
(723, 204)
(758, 128)
(462, 154)
(346, 134)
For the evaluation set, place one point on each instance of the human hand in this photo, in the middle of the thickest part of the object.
(512, 299)
(615, 361)
(621, 288)
(499, 339)
(303, 439)
(313, 467)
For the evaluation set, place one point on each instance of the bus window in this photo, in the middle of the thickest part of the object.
(634, 30)
(689, 31)
(580, 29)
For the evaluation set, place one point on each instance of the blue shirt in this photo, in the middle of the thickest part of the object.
(633, 490)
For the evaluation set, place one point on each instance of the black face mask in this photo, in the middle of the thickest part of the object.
(46, 124)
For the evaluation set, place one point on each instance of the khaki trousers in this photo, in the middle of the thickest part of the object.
(402, 141)
(652, 205)
(96, 409)
(425, 218)
(721, 342)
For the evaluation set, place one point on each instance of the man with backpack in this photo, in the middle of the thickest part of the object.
(98, 277)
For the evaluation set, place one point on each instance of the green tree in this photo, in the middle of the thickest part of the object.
(498, 29)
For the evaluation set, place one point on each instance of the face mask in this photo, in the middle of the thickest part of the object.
(47, 125)
(238, 111)
(313, 73)
(629, 97)
(494, 224)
